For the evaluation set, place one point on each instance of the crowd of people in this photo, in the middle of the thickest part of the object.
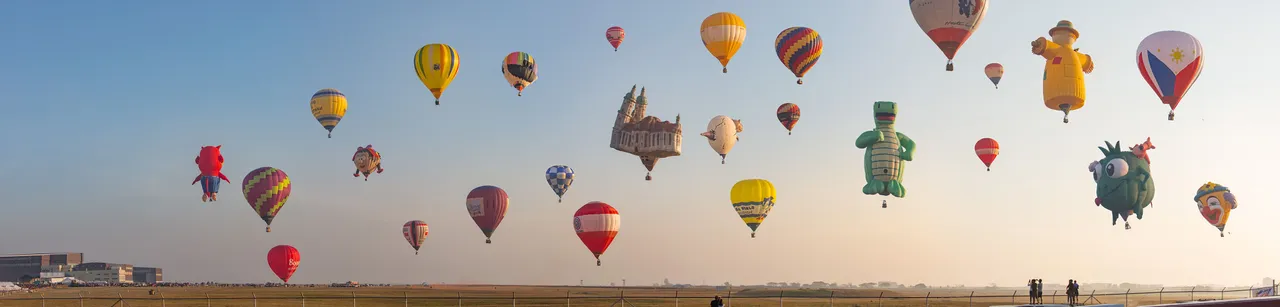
(1036, 296)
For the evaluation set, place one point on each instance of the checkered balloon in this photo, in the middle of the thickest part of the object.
(560, 177)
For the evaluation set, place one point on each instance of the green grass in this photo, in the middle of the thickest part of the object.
(499, 296)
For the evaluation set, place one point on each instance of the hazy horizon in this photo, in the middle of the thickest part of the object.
(109, 103)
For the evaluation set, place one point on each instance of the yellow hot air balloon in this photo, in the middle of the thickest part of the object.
(436, 65)
(328, 106)
(722, 34)
(753, 198)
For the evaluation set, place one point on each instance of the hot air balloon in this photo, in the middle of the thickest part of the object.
(1170, 61)
(722, 134)
(722, 34)
(436, 65)
(210, 163)
(1064, 68)
(799, 49)
(752, 199)
(367, 161)
(560, 177)
(987, 150)
(949, 23)
(415, 232)
(788, 115)
(643, 135)
(283, 260)
(615, 35)
(1215, 202)
(266, 189)
(328, 106)
(597, 224)
(487, 206)
(994, 72)
(519, 70)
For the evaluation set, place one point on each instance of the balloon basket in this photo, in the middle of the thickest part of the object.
(437, 102)
(597, 262)
(788, 132)
(1126, 226)
(798, 81)
(753, 235)
(647, 177)
(725, 70)
(950, 67)
(268, 228)
(884, 204)
(1170, 115)
(488, 241)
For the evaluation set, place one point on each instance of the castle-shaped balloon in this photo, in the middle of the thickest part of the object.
(645, 136)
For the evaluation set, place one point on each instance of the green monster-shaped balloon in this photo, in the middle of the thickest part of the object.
(1124, 181)
(886, 151)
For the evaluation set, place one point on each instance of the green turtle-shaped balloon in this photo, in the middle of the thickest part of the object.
(1124, 180)
(886, 150)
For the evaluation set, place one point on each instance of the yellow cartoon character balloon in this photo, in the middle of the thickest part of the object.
(1215, 202)
(753, 198)
(722, 34)
(1064, 68)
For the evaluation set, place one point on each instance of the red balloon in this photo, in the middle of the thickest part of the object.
(283, 260)
(987, 150)
(596, 224)
(487, 206)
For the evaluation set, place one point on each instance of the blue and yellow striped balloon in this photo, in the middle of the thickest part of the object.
(798, 48)
(753, 199)
(328, 106)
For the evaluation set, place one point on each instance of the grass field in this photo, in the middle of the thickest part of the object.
(447, 295)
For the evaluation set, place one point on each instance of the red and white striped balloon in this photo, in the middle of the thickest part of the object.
(615, 35)
(596, 224)
(415, 232)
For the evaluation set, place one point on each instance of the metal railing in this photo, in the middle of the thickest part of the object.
(809, 298)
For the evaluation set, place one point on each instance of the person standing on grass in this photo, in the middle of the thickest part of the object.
(716, 302)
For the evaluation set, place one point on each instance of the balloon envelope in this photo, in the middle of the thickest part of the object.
(987, 149)
(328, 106)
(415, 232)
(615, 35)
(283, 260)
(560, 177)
(1215, 203)
(788, 115)
(487, 205)
(436, 65)
(1170, 62)
(266, 189)
(994, 72)
(722, 35)
(722, 134)
(799, 49)
(949, 23)
(753, 199)
(596, 224)
(520, 70)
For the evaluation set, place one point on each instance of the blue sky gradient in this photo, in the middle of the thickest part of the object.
(109, 102)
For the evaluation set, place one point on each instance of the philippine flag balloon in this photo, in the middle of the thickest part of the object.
(1170, 61)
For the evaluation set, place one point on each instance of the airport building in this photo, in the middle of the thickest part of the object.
(147, 275)
(55, 267)
(15, 268)
(104, 272)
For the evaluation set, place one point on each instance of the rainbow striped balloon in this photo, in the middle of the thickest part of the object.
(266, 189)
(798, 48)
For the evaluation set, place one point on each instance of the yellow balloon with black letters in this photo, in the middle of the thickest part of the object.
(752, 199)
(328, 106)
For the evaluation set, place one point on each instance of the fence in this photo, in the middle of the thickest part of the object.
(754, 298)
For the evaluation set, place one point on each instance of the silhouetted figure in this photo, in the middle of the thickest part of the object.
(1073, 292)
(1031, 292)
(717, 302)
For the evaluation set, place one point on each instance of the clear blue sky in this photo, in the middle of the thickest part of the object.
(107, 104)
